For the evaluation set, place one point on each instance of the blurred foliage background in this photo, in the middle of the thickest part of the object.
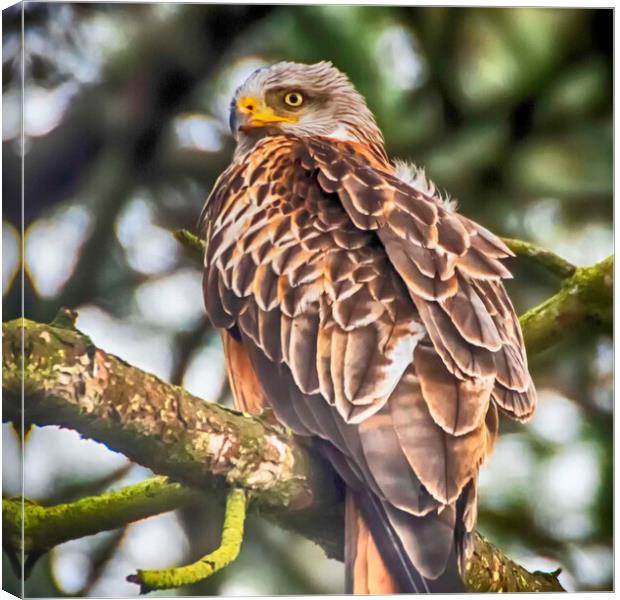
(125, 114)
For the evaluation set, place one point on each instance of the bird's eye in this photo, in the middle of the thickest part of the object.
(294, 99)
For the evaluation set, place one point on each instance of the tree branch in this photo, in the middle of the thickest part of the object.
(545, 258)
(70, 383)
(227, 552)
(48, 526)
(584, 300)
(490, 570)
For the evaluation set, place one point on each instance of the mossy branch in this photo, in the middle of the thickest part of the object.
(585, 300)
(227, 552)
(490, 570)
(191, 242)
(545, 258)
(48, 526)
(69, 382)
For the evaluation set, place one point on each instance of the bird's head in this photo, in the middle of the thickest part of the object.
(303, 100)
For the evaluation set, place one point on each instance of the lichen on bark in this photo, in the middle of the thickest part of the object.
(490, 570)
(70, 383)
(73, 384)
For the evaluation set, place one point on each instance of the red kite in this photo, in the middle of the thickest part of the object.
(369, 315)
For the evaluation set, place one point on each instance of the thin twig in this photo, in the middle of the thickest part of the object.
(227, 552)
(192, 242)
(48, 526)
(545, 258)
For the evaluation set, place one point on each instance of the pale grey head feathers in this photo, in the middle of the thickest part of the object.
(327, 105)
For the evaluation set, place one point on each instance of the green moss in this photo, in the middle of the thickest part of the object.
(48, 526)
(550, 261)
(585, 299)
(226, 553)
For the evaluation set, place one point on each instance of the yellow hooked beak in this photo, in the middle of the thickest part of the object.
(257, 114)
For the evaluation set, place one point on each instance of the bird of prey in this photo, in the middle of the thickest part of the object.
(370, 316)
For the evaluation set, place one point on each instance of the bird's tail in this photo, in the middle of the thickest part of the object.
(366, 572)
(376, 561)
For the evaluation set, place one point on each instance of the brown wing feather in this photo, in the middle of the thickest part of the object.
(452, 268)
(444, 463)
(456, 405)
